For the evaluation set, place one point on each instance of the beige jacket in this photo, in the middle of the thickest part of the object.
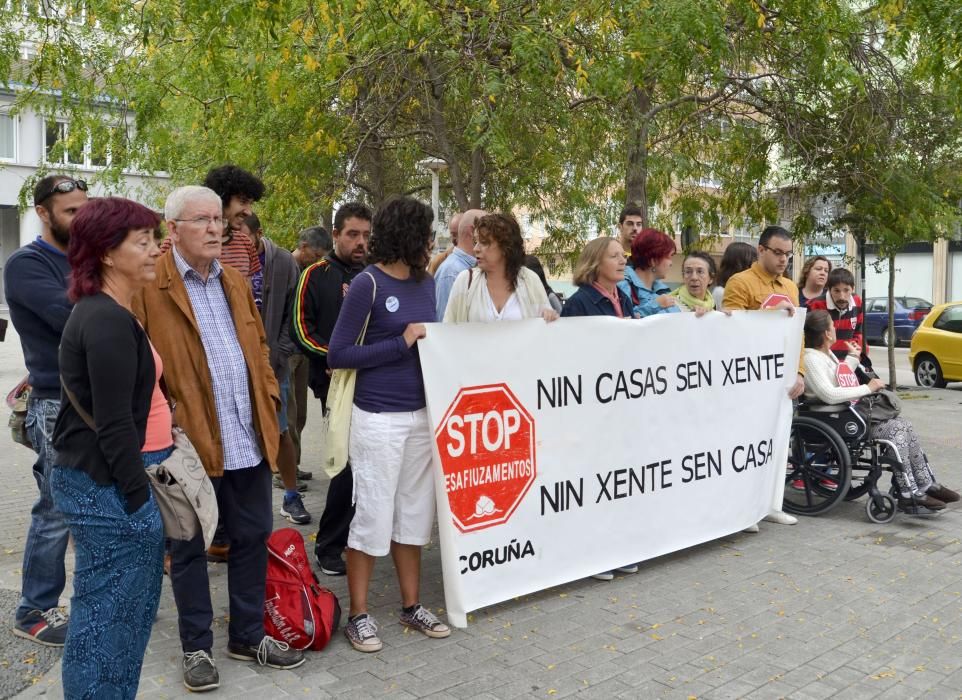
(467, 303)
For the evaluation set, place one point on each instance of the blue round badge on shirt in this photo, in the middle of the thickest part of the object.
(391, 304)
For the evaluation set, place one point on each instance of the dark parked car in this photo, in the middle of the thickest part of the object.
(909, 312)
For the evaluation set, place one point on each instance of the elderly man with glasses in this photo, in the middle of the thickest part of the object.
(202, 319)
(765, 286)
(35, 279)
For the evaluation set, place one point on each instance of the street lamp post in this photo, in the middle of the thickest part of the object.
(436, 165)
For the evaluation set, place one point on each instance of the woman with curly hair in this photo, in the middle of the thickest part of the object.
(501, 288)
(381, 319)
(651, 257)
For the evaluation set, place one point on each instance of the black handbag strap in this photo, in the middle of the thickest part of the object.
(87, 418)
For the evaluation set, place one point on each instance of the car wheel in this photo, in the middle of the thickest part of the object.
(885, 337)
(928, 373)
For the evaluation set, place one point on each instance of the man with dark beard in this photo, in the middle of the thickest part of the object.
(35, 280)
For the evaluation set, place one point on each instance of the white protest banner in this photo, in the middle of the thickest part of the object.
(571, 448)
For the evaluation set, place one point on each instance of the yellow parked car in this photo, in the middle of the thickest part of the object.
(936, 354)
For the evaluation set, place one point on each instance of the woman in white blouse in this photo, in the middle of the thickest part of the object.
(500, 288)
(829, 381)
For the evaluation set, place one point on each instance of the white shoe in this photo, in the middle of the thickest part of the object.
(751, 528)
(627, 569)
(604, 576)
(782, 518)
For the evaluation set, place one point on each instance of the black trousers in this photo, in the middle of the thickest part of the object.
(335, 522)
(244, 500)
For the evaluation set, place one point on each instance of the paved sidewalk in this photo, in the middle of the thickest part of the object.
(833, 607)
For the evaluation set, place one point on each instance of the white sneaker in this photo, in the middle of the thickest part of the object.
(604, 576)
(751, 528)
(780, 517)
(627, 569)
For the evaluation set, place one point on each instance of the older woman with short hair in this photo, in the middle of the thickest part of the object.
(501, 288)
(113, 422)
(598, 271)
(651, 259)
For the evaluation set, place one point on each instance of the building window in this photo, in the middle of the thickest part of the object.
(60, 148)
(8, 137)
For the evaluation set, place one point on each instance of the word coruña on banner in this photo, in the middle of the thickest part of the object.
(571, 448)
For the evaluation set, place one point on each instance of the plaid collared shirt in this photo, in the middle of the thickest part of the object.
(225, 359)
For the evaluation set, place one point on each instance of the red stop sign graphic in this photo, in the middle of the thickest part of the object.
(486, 445)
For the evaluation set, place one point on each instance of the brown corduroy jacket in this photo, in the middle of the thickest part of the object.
(165, 311)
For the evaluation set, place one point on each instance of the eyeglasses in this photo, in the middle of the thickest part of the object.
(787, 254)
(63, 187)
(694, 272)
(204, 221)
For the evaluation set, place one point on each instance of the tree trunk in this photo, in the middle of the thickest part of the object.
(477, 176)
(636, 173)
(435, 94)
(891, 323)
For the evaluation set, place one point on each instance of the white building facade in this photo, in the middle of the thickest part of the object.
(27, 144)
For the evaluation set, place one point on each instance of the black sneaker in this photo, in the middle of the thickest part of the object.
(200, 674)
(294, 510)
(361, 632)
(304, 476)
(278, 484)
(331, 564)
(424, 621)
(269, 652)
(47, 627)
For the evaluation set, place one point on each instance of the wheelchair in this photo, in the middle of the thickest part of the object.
(832, 458)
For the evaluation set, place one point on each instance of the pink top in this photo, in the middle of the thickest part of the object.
(159, 421)
(613, 298)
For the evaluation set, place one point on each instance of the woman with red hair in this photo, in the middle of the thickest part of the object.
(651, 255)
(114, 421)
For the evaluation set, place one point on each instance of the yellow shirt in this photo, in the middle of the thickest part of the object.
(749, 289)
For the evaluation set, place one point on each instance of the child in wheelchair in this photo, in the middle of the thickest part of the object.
(830, 381)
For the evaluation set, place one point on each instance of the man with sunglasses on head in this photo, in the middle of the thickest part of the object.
(765, 286)
(35, 280)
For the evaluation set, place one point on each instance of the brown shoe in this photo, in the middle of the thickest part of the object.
(166, 565)
(218, 553)
(942, 493)
(924, 500)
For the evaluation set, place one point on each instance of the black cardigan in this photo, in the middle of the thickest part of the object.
(105, 359)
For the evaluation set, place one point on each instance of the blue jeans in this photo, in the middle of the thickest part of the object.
(44, 575)
(119, 568)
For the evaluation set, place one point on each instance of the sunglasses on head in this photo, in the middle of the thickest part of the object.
(63, 187)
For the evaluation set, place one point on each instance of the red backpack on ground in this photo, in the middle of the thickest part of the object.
(297, 609)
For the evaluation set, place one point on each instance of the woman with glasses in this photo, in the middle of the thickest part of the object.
(651, 259)
(698, 273)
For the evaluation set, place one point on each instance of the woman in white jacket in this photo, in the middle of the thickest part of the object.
(500, 288)
(823, 373)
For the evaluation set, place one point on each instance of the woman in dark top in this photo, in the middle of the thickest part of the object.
(599, 270)
(113, 422)
(390, 445)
